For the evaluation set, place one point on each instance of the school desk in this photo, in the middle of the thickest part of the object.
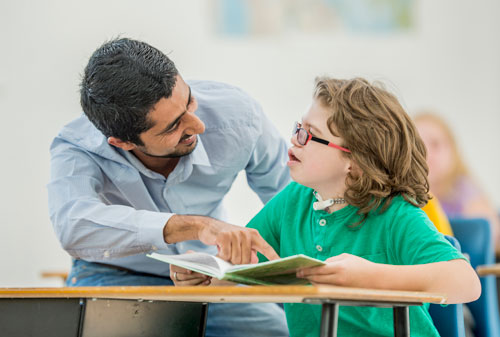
(330, 297)
(490, 269)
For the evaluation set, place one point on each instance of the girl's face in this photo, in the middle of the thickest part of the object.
(315, 165)
(439, 151)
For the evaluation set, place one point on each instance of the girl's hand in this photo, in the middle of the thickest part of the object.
(342, 270)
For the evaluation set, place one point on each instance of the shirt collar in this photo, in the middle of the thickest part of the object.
(199, 155)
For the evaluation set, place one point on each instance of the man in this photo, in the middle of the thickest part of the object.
(146, 169)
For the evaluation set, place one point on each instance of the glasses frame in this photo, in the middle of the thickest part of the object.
(298, 129)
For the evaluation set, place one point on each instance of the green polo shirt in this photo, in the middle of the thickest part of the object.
(402, 235)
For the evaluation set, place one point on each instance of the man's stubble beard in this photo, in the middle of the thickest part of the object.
(177, 154)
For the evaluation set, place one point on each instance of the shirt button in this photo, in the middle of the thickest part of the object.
(319, 248)
(322, 222)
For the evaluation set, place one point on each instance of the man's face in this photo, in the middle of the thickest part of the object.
(175, 125)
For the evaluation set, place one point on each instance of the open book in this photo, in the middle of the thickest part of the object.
(280, 271)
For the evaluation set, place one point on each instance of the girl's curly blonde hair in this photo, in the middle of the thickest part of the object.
(383, 141)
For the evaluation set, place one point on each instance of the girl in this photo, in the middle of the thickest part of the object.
(360, 180)
(449, 178)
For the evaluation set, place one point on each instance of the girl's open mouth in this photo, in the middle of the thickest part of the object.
(292, 157)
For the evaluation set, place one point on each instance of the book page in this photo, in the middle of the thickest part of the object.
(199, 258)
(198, 262)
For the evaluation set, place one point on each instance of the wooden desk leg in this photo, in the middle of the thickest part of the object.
(329, 319)
(401, 321)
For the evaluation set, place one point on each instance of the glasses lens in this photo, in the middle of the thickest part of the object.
(302, 136)
(301, 133)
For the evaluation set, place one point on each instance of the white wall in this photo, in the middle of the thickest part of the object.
(451, 62)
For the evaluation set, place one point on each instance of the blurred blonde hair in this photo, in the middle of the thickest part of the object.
(458, 167)
(383, 141)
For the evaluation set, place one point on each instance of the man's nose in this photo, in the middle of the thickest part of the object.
(194, 124)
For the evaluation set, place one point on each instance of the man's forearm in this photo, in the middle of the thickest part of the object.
(183, 227)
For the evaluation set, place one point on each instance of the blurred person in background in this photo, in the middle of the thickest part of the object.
(450, 181)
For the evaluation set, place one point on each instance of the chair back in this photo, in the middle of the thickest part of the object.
(449, 320)
(474, 236)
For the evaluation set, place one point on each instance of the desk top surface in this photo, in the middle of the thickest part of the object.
(490, 269)
(285, 294)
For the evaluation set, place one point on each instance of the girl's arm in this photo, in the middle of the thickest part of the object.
(455, 278)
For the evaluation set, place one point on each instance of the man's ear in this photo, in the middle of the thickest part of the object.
(127, 146)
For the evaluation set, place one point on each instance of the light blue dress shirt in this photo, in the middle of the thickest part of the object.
(106, 206)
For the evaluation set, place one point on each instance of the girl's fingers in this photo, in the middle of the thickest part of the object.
(322, 279)
(330, 268)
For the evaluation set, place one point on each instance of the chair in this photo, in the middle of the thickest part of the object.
(474, 236)
(449, 320)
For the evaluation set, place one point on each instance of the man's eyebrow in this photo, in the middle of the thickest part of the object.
(189, 97)
(170, 126)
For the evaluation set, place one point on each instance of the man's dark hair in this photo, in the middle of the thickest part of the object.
(122, 82)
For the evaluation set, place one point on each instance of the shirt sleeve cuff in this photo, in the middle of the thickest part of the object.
(151, 231)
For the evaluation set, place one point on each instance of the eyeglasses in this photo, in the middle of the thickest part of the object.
(303, 137)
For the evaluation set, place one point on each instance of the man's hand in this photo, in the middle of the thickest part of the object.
(186, 277)
(238, 245)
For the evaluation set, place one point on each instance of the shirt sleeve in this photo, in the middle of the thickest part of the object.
(267, 172)
(417, 241)
(87, 226)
